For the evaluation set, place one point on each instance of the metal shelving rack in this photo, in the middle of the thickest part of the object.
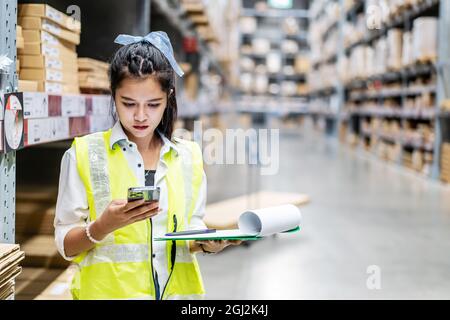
(274, 104)
(441, 67)
(334, 94)
(9, 82)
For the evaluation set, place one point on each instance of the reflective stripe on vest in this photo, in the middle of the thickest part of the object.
(120, 266)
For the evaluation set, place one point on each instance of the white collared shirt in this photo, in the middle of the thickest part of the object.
(72, 208)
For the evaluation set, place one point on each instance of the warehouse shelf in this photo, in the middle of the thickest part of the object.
(415, 114)
(357, 7)
(259, 76)
(271, 105)
(321, 10)
(55, 117)
(276, 37)
(399, 140)
(407, 97)
(323, 91)
(177, 17)
(392, 93)
(333, 25)
(326, 60)
(273, 13)
(408, 72)
(395, 21)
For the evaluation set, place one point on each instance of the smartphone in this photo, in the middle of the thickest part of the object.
(146, 193)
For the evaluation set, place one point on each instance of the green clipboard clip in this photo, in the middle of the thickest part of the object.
(297, 228)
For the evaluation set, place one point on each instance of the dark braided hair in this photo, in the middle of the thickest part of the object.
(140, 60)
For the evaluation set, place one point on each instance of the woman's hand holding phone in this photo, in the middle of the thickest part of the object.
(121, 213)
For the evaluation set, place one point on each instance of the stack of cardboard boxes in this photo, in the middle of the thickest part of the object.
(445, 162)
(10, 257)
(93, 75)
(49, 54)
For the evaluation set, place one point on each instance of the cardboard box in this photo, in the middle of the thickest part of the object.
(40, 62)
(48, 75)
(60, 51)
(425, 33)
(57, 87)
(43, 37)
(46, 11)
(395, 49)
(20, 43)
(50, 87)
(301, 64)
(37, 23)
(92, 64)
(28, 86)
(19, 37)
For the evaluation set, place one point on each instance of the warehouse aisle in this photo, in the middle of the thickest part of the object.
(363, 213)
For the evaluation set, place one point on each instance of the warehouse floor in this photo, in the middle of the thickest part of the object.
(363, 212)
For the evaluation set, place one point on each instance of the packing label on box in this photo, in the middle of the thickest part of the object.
(73, 106)
(53, 64)
(50, 51)
(51, 27)
(49, 38)
(54, 14)
(54, 75)
(35, 105)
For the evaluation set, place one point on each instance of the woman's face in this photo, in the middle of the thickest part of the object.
(140, 104)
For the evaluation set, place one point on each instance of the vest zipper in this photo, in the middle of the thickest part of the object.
(173, 253)
(151, 257)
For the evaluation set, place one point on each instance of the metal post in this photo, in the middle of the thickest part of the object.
(8, 21)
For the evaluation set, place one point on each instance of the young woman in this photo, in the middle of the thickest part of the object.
(109, 238)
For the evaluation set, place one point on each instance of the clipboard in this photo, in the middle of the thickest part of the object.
(252, 225)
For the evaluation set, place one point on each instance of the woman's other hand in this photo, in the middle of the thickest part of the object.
(215, 246)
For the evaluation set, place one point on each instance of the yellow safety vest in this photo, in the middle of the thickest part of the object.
(120, 267)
